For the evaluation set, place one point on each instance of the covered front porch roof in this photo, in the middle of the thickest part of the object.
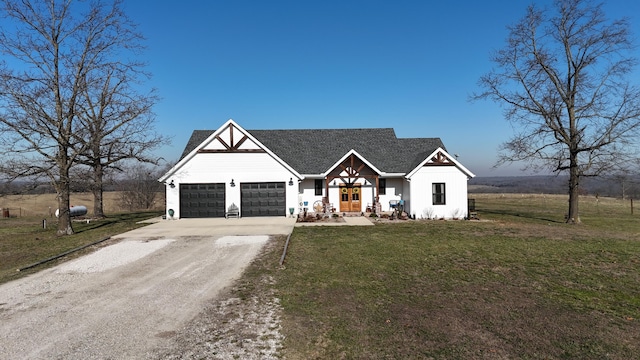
(351, 167)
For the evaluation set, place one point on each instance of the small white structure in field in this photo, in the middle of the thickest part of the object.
(78, 210)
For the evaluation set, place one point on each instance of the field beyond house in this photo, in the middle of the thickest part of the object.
(519, 284)
(46, 204)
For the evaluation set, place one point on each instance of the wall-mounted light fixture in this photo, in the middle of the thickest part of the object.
(290, 181)
(171, 184)
(233, 184)
(334, 183)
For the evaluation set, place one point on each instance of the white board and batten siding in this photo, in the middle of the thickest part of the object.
(223, 167)
(455, 181)
(396, 189)
(307, 193)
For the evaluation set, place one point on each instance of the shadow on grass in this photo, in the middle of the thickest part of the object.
(114, 219)
(521, 215)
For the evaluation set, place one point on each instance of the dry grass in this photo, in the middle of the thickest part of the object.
(46, 204)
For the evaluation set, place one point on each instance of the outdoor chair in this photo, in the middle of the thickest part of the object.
(232, 211)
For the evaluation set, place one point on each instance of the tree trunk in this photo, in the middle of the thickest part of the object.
(98, 203)
(63, 189)
(573, 216)
(64, 216)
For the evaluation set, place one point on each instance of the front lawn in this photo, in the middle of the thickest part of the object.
(522, 285)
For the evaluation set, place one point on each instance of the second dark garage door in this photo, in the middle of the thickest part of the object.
(263, 199)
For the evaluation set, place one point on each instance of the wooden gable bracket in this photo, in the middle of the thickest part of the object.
(233, 146)
(439, 159)
(355, 169)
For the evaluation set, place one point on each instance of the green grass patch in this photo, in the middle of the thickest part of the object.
(523, 285)
(24, 241)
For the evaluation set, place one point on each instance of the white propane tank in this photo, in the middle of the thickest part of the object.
(77, 210)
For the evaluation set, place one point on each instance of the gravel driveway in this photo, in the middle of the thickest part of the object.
(122, 301)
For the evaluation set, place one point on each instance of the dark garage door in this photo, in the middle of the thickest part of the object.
(202, 200)
(262, 199)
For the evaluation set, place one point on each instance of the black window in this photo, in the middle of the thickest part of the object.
(383, 186)
(318, 186)
(439, 196)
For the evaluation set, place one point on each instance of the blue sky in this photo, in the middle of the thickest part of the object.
(276, 64)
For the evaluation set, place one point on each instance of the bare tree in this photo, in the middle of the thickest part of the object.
(139, 188)
(117, 118)
(563, 80)
(51, 48)
(39, 96)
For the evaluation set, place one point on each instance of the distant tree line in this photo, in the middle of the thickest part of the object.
(137, 186)
(618, 186)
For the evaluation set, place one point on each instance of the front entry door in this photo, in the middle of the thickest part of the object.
(350, 198)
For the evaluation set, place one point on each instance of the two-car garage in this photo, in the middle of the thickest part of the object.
(209, 199)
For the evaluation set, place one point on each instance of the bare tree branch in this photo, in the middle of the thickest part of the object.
(116, 117)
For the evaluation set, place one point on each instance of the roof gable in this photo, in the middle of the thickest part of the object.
(230, 137)
(440, 157)
(346, 166)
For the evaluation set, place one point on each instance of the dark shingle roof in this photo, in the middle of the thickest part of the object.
(197, 137)
(314, 151)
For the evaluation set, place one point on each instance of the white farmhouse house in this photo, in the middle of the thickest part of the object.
(287, 172)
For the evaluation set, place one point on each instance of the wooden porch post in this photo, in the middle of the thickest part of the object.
(327, 180)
